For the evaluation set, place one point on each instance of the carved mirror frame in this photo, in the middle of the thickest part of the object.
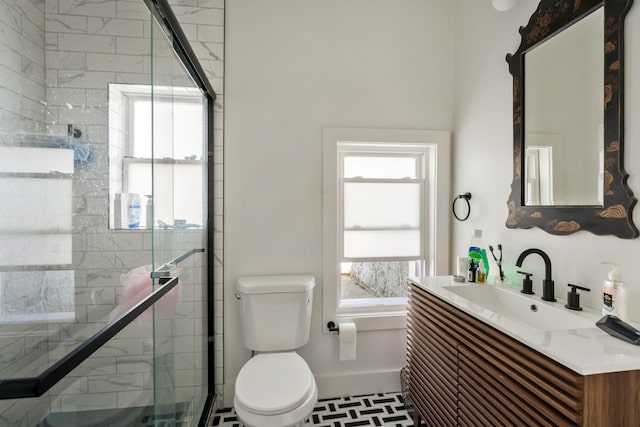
(614, 217)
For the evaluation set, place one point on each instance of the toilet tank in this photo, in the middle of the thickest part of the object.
(275, 311)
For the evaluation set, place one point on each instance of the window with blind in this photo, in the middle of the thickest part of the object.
(379, 218)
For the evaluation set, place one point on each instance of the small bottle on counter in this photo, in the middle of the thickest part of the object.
(478, 253)
(610, 290)
(473, 269)
(481, 276)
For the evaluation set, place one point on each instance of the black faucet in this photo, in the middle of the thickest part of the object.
(548, 291)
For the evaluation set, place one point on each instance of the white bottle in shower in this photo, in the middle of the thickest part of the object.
(149, 211)
(133, 210)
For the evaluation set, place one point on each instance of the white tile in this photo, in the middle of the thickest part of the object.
(84, 79)
(10, 58)
(127, 399)
(87, 43)
(51, 6)
(134, 364)
(33, 33)
(132, 10)
(121, 347)
(115, 383)
(210, 33)
(115, 27)
(93, 296)
(66, 60)
(61, 96)
(101, 8)
(86, 402)
(10, 16)
(71, 385)
(111, 62)
(65, 24)
(94, 260)
(198, 15)
(97, 98)
(27, 48)
(212, 68)
(132, 78)
(217, 4)
(29, 11)
(51, 41)
(10, 101)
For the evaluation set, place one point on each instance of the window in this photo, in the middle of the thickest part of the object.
(383, 193)
(36, 225)
(165, 130)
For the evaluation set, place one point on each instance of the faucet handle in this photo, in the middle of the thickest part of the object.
(527, 283)
(573, 297)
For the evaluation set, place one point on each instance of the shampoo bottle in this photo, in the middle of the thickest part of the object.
(610, 289)
(133, 210)
(478, 254)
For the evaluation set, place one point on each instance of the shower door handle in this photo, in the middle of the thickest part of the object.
(166, 270)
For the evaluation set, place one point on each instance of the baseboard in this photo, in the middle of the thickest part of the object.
(358, 384)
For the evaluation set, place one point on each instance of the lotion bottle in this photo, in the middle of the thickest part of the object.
(133, 211)
(610, 289)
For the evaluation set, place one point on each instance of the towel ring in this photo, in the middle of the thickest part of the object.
(466, 197)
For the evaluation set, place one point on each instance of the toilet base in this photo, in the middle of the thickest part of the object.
(293, 418)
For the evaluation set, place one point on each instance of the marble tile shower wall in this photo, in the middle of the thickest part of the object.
(86, 44)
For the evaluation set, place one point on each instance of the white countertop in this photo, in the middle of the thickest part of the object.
(586, 350)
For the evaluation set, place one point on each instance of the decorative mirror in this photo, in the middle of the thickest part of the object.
(568, 128)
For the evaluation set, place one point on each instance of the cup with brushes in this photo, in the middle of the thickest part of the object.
(498, 260)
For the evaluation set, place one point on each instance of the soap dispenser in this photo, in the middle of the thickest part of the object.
(573, 297)
(609, 290)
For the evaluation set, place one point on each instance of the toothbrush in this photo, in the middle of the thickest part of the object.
(498, 262)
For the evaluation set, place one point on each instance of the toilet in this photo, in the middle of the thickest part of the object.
(275, 388)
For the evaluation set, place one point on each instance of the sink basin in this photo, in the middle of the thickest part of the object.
(530, 311)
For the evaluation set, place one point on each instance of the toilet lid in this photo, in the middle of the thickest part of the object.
(274, 383)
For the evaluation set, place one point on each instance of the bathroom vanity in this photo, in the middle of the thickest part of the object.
(474, 360)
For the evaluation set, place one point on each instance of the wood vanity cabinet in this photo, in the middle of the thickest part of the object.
(463, 372)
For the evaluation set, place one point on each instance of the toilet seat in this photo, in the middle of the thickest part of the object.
(274, 383)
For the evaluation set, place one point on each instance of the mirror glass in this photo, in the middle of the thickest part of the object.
(563, 116)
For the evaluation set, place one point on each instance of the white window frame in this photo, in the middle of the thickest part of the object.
(435, 216)
(125, 96)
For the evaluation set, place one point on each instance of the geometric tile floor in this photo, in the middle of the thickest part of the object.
(369, 410)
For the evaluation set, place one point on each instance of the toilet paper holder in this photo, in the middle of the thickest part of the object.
(332, 327)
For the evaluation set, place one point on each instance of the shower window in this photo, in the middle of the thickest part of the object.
(36, 229)
(176, 152)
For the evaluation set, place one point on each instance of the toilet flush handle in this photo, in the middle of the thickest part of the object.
(237, 295)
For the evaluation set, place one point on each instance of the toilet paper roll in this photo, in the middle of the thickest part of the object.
(347, 337)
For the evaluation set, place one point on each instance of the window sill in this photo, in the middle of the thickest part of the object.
(371, 318)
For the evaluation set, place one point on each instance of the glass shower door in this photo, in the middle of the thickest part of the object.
(178, 212)
(103, 218)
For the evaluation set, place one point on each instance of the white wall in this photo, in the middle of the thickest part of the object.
(483, 139)
(292, 68)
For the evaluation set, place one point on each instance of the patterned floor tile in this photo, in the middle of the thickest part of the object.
(370, 410)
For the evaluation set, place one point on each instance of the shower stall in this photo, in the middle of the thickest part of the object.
(106, 136)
